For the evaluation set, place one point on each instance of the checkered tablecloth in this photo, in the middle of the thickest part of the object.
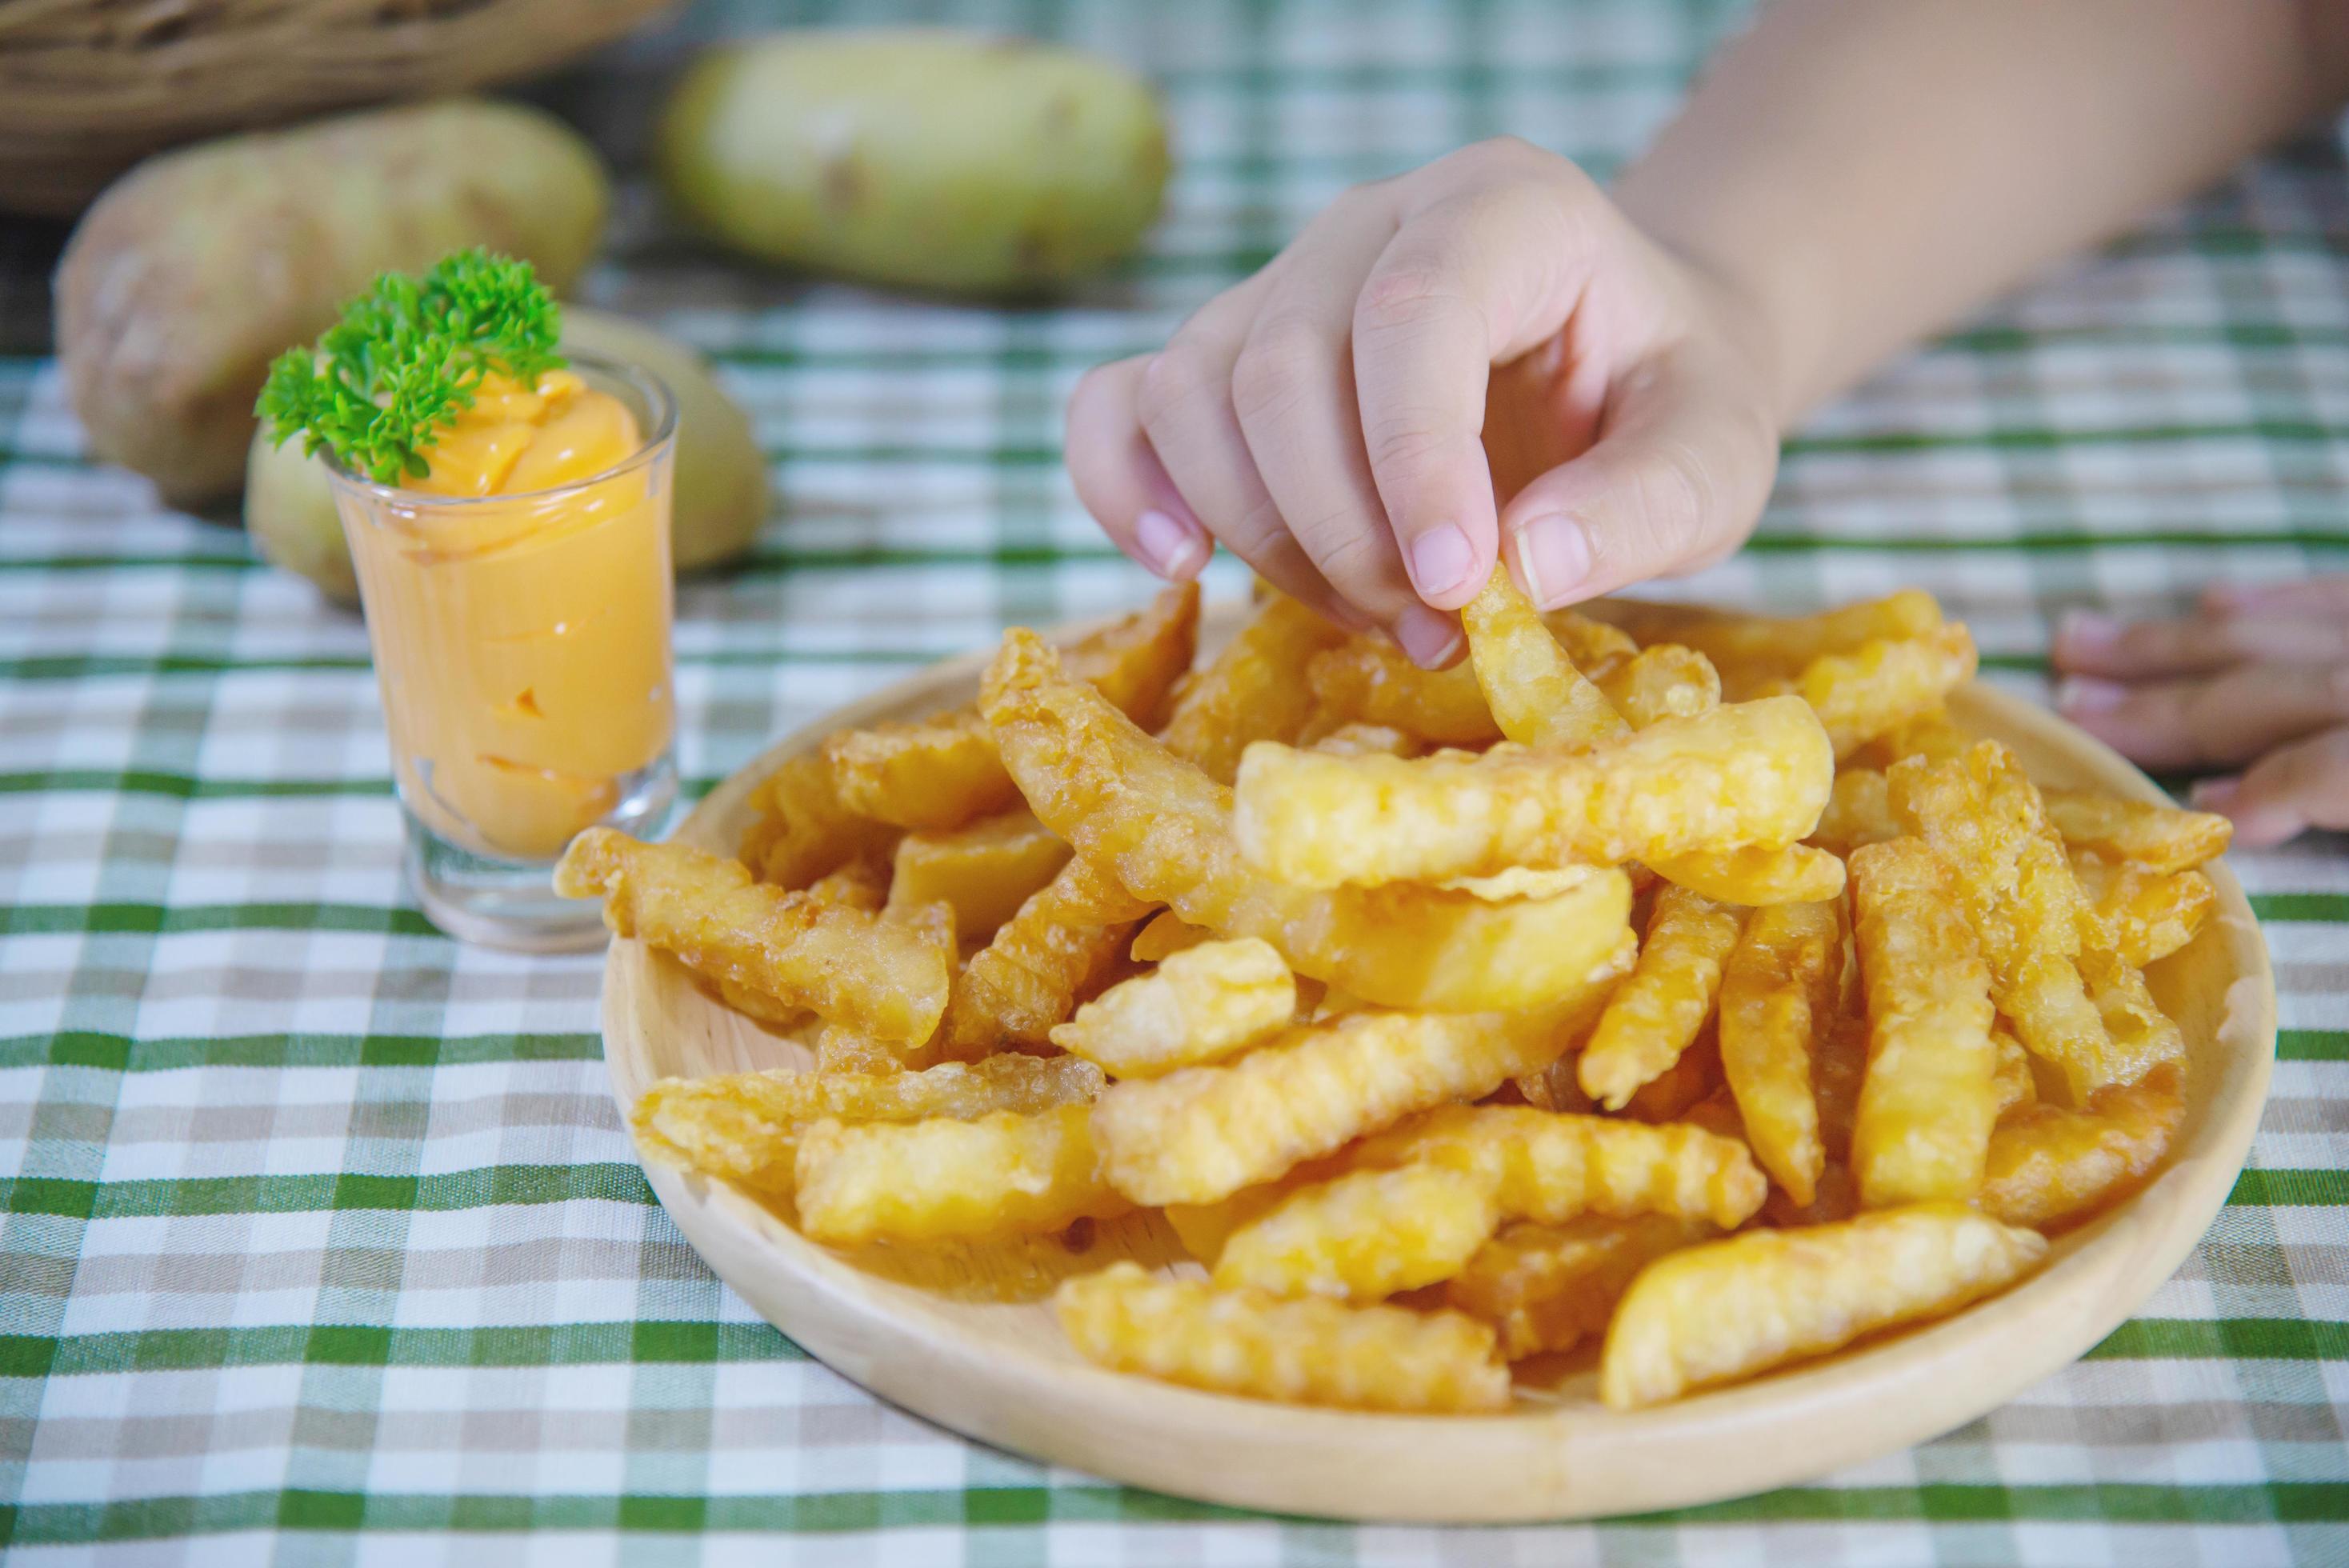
(321, 1241)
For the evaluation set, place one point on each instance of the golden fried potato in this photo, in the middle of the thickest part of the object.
(1757, 773)
(1860, 812)
(1165, 934)
(1164, 829)
(1767, 646)
(2050, 1166)
(1368, 680)
(886, 977)
(2146, 915)
(1671, 1094)
(1666, 681)
(1779, 993)
(745, 1126)
(2159, 837)
(1980, 813)
(2014, 1083)
(983, 871)
(1200, 1005)
(1027, 978)
(2142, 1035)
(1878, 686)
(1544, 1287)
(1795, 873)
(1313, 1352)
(1364, 1236)
(1352, 739)
(1729, 1308)
(840, 1050)
(1930, 1096)
(1204, 1133)
(803, 829)
(1551, 1165)
(1655, 1012)
(948, 1180)
(1252, 690)
(861, 884)
(1532, 689)
(1931, 734)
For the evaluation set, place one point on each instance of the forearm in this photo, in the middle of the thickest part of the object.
(1861, 171)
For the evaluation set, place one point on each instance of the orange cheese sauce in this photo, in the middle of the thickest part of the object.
(521, 616)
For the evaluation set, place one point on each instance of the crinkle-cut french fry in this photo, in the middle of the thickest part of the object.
(885, 977)
(1595, 646)
(1776, 644)
(1030, 975)
(1858, 813)
(1757, 773)
(1656, 1012)
(801, 828)
(1928, 1099)
(1839, 1070)
(1551, 1165)
(1204, 1228)
(1252, 690)
(1164, 829)
(1875, 688)
(1200, 1005)
(1368, 680)
(1980, 813)
(1164, 935)
(1313, 1352)
(1680, 1088)
(2013, 1083)
(984, 871)
(839, 1051)
(1666, 681)
(1779, 993)
(1932, 735)
(1364, 1236)
(2143, 1035)
(1204, 1133)
(948, 1180)
(1352, 739)
(1532, 689)
(2051, 1166)
(1544, 1287)
(942, 771)
(1725, 1309)
(745, 1126)
(2146, 915)
(1795, 873)
(2159, 837)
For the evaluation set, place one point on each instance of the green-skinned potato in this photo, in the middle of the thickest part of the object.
(196, 267)
(920, 158)
(721, 476)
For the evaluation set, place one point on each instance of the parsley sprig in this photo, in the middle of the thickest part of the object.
(407, 358)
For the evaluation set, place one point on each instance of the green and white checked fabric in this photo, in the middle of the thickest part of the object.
(321, 1242)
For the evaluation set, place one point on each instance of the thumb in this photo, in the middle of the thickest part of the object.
(1675, 481)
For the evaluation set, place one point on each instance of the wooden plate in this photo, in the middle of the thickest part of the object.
(965, 1335)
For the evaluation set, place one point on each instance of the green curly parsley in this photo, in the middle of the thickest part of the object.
(407, 358)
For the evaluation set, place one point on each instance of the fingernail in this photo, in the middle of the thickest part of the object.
(1441, 560)
(1429, 636)
(2214, 794)
(1554, 553)
(1170, 546)
(2083, 694)
(2087, 629)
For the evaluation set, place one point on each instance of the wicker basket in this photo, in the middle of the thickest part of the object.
(90, 87)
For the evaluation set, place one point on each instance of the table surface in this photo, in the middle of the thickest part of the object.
(321, 1239)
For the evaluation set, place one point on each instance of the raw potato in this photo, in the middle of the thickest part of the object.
(721, 475)
(917, 157)
(197, 266)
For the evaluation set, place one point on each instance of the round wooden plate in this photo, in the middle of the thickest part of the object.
(965, 1335)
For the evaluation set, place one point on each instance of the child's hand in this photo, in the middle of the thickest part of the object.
(1323, 419)
(2257, 676)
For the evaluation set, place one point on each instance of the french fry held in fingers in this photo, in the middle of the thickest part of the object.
(1532, 689)
(1199, 1004)
(1754, 773)
(1547, 1287)
(2147, 914)
(1779, 992)
(1164, 830)
(1368, 680)
(1364, 1236)
(745, 1126)
(2051, 1166)
(886, 977)
(1658, 1010)
(1313, 1352)
(1730, 1308)
(2159, 837)
(949, 1179)
(984, 871)
(1930, 1096)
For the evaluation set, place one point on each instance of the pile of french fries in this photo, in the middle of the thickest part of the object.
(1677, 980)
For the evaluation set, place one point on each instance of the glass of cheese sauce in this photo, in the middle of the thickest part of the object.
(518, 603)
